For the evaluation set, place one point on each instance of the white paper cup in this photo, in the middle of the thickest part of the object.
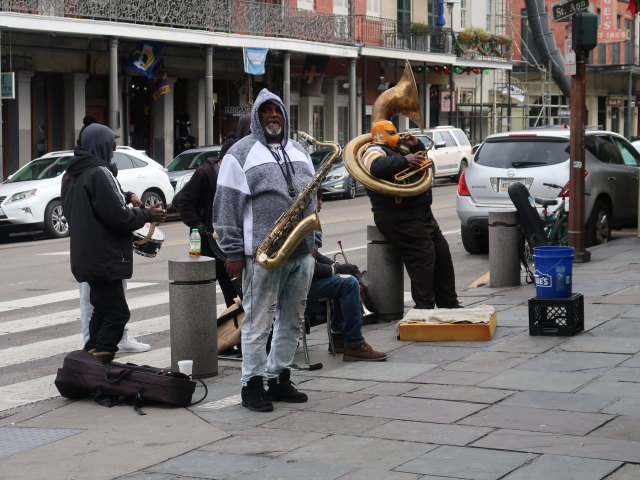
(185, 366)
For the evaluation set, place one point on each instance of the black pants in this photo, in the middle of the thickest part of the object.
(425, 254)
(110, 315)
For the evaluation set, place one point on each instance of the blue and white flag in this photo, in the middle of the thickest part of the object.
(254, 59)
(144, 58)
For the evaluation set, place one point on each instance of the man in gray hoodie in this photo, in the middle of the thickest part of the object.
(260, 177)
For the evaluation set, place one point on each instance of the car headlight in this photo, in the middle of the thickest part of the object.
(338, 176)
(16, 197)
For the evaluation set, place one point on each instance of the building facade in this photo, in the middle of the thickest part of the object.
(168, 74)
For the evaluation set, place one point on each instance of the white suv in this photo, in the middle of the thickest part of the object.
(538, 157)
(30, 198)
(451, 152)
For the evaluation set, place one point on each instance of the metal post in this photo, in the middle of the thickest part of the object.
(385, 276)
(504, 243)
(627, 116)
(208, 97)
(286, 86)
(192, 314)
(363, 104)
(353, 112)
(113, 84)
(576, 162)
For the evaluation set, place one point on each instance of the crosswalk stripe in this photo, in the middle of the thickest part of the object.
(54, 297)
(53, 319)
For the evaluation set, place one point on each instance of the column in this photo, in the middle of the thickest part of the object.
(286, 81)
(208, 97)
(353, 112)
(163, 128)
(195, 108)
(113, 84)
(20, 109)
(75, 106)
(331, 110)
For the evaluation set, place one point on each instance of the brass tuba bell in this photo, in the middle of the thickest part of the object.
(403, 99)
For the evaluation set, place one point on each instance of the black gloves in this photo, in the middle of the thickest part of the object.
(347, 269)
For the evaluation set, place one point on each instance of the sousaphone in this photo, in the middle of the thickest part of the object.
(402, 99)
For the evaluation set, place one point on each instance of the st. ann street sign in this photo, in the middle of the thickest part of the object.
(565, 9)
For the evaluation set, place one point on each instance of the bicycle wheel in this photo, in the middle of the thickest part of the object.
(560, 232)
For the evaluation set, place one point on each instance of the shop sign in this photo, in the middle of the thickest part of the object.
(615, 102)
(8, 82)
(237, 110)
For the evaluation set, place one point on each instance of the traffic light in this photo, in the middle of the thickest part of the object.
(584, 31)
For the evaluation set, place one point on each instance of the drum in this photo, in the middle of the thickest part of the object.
(148, 240)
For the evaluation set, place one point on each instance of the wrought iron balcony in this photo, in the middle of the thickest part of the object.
(247, 17)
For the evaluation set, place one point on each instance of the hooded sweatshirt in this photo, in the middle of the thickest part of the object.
(100, 223)
(252, 190)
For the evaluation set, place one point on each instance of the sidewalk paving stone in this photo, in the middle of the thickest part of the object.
(563, 467)
(424, 432)
(416, 409)
(632, 362)
(518, 379)
(389, 388)
(360, 452)
(488, 362)
(452, 377)
(570, 445)
(468, 463)
(209, 465)
(335, 384)
(624, 406)
(288, 470)
(618, 327)
(627, 472)
(622, 374)
(624, 427)
(589, 343)
(525, 343)
(585, 362)
(462, 393)
(378, 371)
(573, 402)
(618, 389)
(372, 474)
(537, 420)
(429, 352)
(327, 422)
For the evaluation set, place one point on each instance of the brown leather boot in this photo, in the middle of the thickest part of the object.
(104, 357)
(362, 353)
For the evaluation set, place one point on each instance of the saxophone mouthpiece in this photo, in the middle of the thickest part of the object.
(306, 137)
(340, 244)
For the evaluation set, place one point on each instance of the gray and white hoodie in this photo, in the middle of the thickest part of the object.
(252, 191)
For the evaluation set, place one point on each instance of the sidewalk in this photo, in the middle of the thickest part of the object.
(516, 407)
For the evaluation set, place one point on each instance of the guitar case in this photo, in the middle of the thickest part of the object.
(529, 219)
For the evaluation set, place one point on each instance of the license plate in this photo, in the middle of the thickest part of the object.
(505, 183)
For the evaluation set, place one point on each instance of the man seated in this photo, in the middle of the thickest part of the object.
(338, 283)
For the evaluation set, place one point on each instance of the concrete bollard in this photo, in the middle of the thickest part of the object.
(504, 245)
(192, 314)
(385, 276)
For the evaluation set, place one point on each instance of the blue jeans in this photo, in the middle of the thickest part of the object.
(273, 294)
(344, 290)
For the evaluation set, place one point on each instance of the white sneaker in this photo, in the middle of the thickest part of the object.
(130, 344)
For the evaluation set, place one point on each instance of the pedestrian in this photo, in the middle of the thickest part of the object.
(408, 222)
(338, 282)
(101, 226)
(230, 140)
(259, 179)
(126, 343)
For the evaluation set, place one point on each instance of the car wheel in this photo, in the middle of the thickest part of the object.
(151, 198)
(351, 188)
(55, 223)
(463, 167)
(599, 224)
(475, 244)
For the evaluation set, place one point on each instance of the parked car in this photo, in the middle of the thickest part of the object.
(338, 182)
(188, 161)
(451, 151)
(30, 198)
(535, 157)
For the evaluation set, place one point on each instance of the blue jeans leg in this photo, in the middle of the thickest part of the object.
(344, 290)
(273, 294)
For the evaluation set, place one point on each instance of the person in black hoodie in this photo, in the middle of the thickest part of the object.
(408, 222)
(100, 227)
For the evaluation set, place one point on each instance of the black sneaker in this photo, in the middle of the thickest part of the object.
(255, 397)
(282, 389)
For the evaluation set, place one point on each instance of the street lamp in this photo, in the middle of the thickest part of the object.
(450, 4)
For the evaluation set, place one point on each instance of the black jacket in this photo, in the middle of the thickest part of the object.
(100, 223)
(385, 168)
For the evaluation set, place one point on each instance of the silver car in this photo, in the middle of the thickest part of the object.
(535, 157)
(338, 182)
(187, 162)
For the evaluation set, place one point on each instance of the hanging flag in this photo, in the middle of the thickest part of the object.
(633, 7)
(312, 75)
(144, 58)
(159, 84)
(254, 60)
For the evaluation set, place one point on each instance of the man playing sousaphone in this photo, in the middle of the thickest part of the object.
(408, 222)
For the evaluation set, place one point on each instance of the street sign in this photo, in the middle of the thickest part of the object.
(565, 9)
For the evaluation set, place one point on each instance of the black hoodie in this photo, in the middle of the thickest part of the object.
(100, 223)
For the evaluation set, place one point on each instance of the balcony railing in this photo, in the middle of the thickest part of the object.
(247, 17)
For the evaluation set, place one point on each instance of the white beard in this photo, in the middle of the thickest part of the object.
(273, 130)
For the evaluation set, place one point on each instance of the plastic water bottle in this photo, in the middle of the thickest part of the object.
(194, 243)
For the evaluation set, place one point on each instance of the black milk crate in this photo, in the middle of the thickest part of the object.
(556, 316)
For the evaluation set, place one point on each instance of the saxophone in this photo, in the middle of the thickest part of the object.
(289, 230)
